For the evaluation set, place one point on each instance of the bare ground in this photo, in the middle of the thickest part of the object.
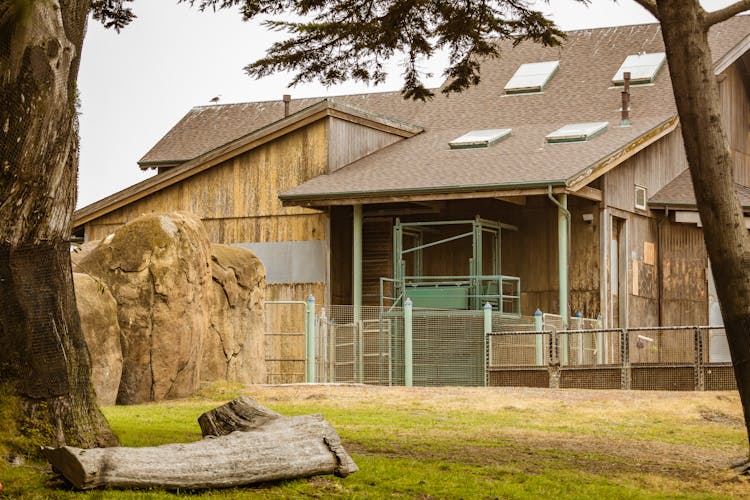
(616, 435)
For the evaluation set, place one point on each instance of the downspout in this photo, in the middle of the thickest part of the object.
(563, 250)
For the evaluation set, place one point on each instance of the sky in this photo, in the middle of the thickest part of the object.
(135, 85)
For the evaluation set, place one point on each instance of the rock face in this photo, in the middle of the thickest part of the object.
(158, 270)
(187, 311)
(233, 348)
(98, 311)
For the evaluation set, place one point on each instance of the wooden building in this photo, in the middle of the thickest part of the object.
(532, 189)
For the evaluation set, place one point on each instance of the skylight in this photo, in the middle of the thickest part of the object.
(577, 132)
(480, 138)
(643, 68)
(531, 77)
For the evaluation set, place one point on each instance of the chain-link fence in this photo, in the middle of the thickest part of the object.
(437, 347)
(367, 345)
(649, 358)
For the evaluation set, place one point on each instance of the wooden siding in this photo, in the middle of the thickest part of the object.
(584, 259)
(642, 273)
(238, 199)
(238, 202)
(684, 287)
(351, 141)
(653, 168)
(377, 238)
(735, 112)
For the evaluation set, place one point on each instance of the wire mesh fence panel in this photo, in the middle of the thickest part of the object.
(519, 350)
(519, 358)
(590, 359)
(552, 321)
(285, 342)
(718, 373)
(355, 346)
(448, 348)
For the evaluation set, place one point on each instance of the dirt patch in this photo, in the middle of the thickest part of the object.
(720, 417)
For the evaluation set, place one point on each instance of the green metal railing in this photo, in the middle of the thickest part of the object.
(503, 293)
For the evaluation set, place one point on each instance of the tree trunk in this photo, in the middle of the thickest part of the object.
(270, 448)
(727, 242)
(43, 356)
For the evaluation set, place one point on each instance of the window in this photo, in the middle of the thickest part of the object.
(480, 138)
(640, 197)
(576, 132)
(531, 77)
(643, 68)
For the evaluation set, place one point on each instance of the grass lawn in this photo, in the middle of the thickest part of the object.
(466, 443)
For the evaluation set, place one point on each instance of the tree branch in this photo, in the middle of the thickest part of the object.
(649, 5)
(720, 15)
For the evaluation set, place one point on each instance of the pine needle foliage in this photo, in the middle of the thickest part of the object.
(352, 39)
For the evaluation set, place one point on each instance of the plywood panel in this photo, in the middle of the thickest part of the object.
(584, 260)
(684, 289)
(643, 296)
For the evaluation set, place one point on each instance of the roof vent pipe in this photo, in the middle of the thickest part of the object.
(625, 99)
(287, 99)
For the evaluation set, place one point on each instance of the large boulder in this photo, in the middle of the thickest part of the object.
(158, 270)
(98, 311)
(233, 348)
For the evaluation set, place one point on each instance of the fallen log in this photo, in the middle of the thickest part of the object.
(241, 414)
(270, 449)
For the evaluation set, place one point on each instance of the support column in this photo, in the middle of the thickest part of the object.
(562, 256)
(357, 262)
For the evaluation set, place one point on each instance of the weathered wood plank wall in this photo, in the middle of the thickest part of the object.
(735, 112)
(238, 203)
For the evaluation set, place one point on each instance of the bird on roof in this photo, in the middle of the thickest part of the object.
(215, 99)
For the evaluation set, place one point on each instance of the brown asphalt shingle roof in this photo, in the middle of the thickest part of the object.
(679, 194)
(580, 91)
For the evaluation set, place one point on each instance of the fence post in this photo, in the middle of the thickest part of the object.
(487, 331)
(539, 338)
(579, 320)
(599, 341)
(323, 346)
(626, 377)
(700, 384)
(408, 367)
(310, 339)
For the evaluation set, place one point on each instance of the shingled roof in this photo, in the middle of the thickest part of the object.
(679, 194)
(205, 128)
(580, 91)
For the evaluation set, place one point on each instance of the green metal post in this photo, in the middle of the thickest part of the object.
(487, 331)
(310, 339)
(599, 341)
(408, 347)
(357, 262)
(539, 341)
(562, 255)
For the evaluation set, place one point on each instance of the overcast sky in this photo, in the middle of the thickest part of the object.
(134, 86)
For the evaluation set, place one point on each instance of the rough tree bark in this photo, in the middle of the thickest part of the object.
(43, 355)
(685, 31)
(264, 446)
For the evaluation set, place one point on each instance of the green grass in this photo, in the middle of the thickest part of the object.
(466, 443)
